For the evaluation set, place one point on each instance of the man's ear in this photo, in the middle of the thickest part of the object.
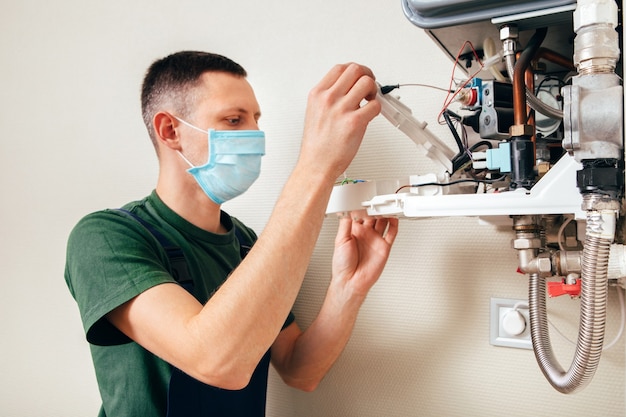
(166, 130)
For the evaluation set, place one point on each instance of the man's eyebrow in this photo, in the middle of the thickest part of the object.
(242, 110)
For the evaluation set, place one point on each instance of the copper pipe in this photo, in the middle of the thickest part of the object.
(556, 58)
(519, 86)
(551, 56)
(530, 84)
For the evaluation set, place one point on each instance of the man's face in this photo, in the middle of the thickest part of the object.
(224, 102)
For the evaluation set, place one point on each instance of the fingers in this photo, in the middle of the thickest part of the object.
(351, 81)
(331, 77)
(392, 230)
(344, 76)
(385, 227)
(365, 89)
(344, 232)
(381, 225)
(336, 120)
(358, 81)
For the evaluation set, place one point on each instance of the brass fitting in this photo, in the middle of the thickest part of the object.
(521, 130)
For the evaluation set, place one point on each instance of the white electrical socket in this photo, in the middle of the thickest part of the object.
(510, 323)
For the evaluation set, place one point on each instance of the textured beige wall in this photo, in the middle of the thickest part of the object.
(73, 142)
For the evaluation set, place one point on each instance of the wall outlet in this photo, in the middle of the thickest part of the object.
(510, 323)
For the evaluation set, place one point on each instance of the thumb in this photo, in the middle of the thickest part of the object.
(344, 232)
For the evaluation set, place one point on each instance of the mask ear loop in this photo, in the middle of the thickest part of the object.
(199, 130)
(189, 124)
(185, 159)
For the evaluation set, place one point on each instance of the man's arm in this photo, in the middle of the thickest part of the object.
(222, 342)
(361, 251)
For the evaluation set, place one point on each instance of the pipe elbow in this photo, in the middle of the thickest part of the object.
(541, 265)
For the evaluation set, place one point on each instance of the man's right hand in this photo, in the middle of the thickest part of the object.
(336, 119)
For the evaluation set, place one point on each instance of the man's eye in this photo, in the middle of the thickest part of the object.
(233, 121)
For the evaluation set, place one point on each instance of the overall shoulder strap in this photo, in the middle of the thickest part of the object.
(244, 244)
(175, 254)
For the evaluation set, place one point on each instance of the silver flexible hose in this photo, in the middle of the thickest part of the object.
(594, 290)
(533, 101)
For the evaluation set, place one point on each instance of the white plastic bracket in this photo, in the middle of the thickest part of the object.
(555, 193)
(401, 117)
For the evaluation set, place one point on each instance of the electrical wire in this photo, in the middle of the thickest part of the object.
(562, 229)
(455, 134)
(465, 152)
(463, 157)
(620, 296)
(426, 86)
(479, 144)
(445, 184)
(348, 181)
(546, 79)
(386, 89)
(449, 99)
(620, 332)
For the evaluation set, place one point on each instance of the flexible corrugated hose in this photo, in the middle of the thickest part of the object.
(594, 288)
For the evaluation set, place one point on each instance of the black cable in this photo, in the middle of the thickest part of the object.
(479, 144)
(457, 138)
(453, 114)
(445, 184)
(386, 89)
(461, 158)
(546, 79)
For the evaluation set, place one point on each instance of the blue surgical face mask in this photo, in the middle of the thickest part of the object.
(233, 163)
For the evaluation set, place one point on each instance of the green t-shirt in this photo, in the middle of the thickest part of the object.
(111, 258)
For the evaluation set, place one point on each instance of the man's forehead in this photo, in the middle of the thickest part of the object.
(233, 91)
(218, 79)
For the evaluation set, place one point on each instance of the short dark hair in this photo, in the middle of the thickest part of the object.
(172, 79)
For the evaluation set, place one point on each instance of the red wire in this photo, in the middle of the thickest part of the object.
(449, 99)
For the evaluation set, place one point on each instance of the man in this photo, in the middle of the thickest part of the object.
(160, 348)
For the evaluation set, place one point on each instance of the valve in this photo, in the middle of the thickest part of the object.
(569, 285)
